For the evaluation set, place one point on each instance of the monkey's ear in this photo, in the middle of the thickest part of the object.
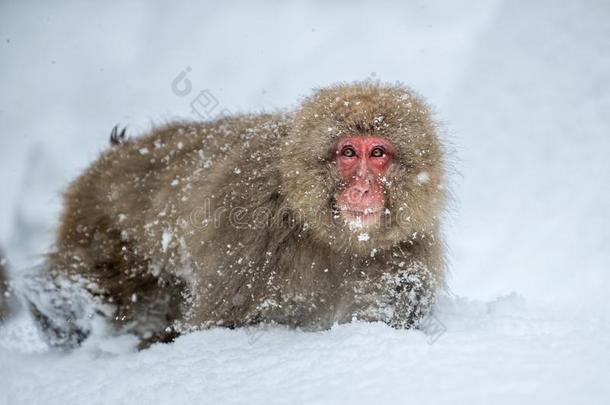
(117, 137)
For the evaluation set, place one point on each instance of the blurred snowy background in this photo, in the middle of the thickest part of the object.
(523, 93)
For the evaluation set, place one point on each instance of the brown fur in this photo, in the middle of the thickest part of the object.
(232, 222)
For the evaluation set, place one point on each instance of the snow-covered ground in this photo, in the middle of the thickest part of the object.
(523, 91)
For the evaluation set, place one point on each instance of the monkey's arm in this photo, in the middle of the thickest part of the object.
(401, 290)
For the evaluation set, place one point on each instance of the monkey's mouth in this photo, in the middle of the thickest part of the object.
(361, 218)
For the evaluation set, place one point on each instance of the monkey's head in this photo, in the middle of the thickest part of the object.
(362, 167)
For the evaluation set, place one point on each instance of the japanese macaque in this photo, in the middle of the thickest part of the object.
(322, 216)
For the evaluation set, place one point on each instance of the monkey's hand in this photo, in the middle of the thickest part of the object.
(400, 298)
(413, 296)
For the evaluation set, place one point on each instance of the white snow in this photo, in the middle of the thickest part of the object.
(492, 352)
(523, 93)
(166, 239)
(363, 237)
(423, 177)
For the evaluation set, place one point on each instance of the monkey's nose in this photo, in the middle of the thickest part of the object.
(357, 193)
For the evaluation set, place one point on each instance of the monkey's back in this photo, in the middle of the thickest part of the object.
(128, 185)
(116, 215)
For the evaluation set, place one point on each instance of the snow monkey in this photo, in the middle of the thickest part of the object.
(323, 215)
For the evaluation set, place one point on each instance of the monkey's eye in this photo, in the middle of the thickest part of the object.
(377, 152)
(348, 151)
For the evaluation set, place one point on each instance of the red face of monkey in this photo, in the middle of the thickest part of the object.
(363, 162)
